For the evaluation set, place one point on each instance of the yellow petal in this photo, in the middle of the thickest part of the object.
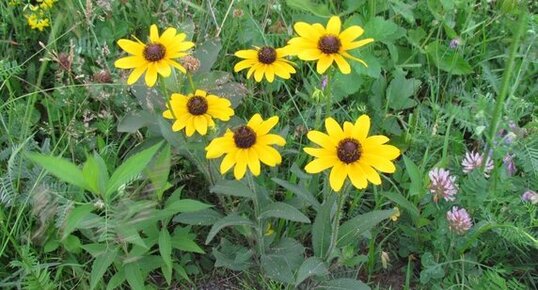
(347, 55)
(189, 128)
(243, 65)
(356, 44)
(200, 93)
(227, 162)
(375, 140)
(240, 168)
(320, 152)
(361, 128)
(163, 69)
(268, 155)
(154, 33)
(247, 53)
(258, 74)
(136, 74)
(200, 124)
(319, 164)
(343, 65)
(185, 45)
(378, 163)
(266, 126)
(322, 139)
(369, 172)
(385, 151)
(131, 47)
(324, 63)
(351, 33)
(271, 139)
(270, 73)
(255, 121)
(253, 162)
(168, 35)
(310, 54)
(334, 25)
(357, 176)
(151, 75)
(178, 125)
(130, 62)
(337, 176)
(306, 30)
(333, 129)
(178, 66)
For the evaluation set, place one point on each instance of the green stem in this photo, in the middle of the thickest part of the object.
(336, 222)
(328, 94)
(259, 226)
(499, 105)
(191, 82)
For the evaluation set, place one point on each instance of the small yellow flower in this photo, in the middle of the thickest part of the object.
(351, 153)
(36, 22)
(265, 61)
(327, 44)
(155, 57)
(195, 112)
(269, 230)
(46, 4)
(246, 146)
(396, 215)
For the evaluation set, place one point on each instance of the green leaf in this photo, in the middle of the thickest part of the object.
(159, 170)
(344, 284)
(186, 244)
(282, 260)
(95, 174)
(134, 121)
(61, 168)
(448, 59)
(404, 203)
(131, 168)
(75, 217)
(207, 52)
(165, 249)
(233, 257)
(100, 265)
(186, 205)
(312, 266)
(321, 10)
(134, 276)
(322, 229)
(353, 228)
(405, 10)
(116, 280)
(382, 30)
(233, 188)
(415, 175)
(400, 91)
(300, 191)
(204, 217)
(231, 220)
(284, 211)
(431, 269)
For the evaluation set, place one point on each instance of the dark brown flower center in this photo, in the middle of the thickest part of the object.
(197, 105)
(329, 44)
(154, 52)
(267, 55)
(349, 150)
(244, 137)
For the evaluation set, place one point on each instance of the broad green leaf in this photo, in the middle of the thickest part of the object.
(131, 168)
(61, 168)
(95, 174)
(75, 217)
(100, 265)
(431, 269)
(233, 257)
(204, 217)
(400, 91)
(321, 10)
(312, 266)
(404, 203)
(282, 260)
(382, 30)
(134, 121)
(373, 69)
(448, 59)
(165, 249)
(116, 280)
(233, 188)
(134, 276)
(186, 244)
(405, 10)
(344, 284)
(299, 191)
(415, 175)
(207, 52)
(181, 271)
(231, 220)
(353, 228)
(186, 205)
(129, 234)
(284, 211)
(159, 170)
(322, 229)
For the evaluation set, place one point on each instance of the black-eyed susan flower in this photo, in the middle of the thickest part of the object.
(327, 44)
(155, 57)
(351, 153)
(265, 61)
(195, 112)
(246, 146)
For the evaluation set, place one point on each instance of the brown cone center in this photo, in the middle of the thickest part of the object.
(267, 55)
(329, 44)
(154, 52)
(244, 137)
(349, 150)
(197, 105)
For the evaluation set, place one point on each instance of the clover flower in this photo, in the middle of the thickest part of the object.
(442, 184)
(459, 220)
(473, 160)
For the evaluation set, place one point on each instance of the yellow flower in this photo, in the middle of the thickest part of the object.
(265, 61)
(155, 57)
(327, 44)
(195, 112)
(351, 153)
(46, 4)
(36, 22)
(247, 146)
(396, 215)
